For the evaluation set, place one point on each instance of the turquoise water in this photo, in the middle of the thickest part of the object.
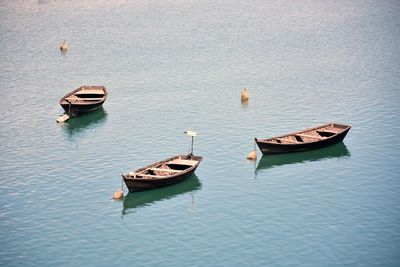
(171, 66)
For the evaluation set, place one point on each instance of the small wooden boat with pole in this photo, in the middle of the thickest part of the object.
(163, 173)
(308, 139)
(82, 100)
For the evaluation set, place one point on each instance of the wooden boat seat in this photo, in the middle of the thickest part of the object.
(86, 98)
(311, 136)
(183, 162)
(92, 98)
(330, 130)
(90, 91)
(165, 170)
(285, 141)
(142, 175)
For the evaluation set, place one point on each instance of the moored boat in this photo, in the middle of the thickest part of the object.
(308, 139)
(83, 100)
(163, 173)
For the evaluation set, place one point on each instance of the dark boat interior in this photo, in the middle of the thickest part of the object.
(168, 168)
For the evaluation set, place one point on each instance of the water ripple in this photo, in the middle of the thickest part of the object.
(172, 66)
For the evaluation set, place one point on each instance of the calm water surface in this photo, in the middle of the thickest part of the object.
(173, 65)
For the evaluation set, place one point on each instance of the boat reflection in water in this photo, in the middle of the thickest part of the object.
(335, 151)
(135, 200)
(78, 124)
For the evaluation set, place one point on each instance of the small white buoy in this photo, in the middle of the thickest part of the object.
(62, 118)
(252, 155)
(119, 194)
(245, 95)
(64, 46)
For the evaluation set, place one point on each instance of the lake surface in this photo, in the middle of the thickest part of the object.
(170, 66)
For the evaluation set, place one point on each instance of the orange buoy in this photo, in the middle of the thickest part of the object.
(245, 95)
(119, 194)
(64, 46)
(252, 155)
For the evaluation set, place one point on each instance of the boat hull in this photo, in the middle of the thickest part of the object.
(140, 184)
(275, 148)
(81, 109)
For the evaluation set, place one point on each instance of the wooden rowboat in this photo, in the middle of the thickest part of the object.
(308, 139)
(163, 173)
(83, 100)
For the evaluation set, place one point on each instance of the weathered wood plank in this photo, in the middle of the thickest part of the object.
(62, 118)
(84, 98)
(283, 141)
(182, 162)
(311, 136)
(331, 130)
(166, 170)
(142, 175)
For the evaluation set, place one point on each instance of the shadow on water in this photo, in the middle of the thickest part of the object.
(78, 124)
(269, 161)
(132, 201)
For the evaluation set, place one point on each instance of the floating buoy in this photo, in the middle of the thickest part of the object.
(62, 118)
(252, 155)
(245, 95)
(64, 46)
(119, 194)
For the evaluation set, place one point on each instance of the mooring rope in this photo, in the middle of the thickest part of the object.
(69, 108)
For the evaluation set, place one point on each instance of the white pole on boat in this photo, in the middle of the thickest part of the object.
(192, 134)
(191, 152)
